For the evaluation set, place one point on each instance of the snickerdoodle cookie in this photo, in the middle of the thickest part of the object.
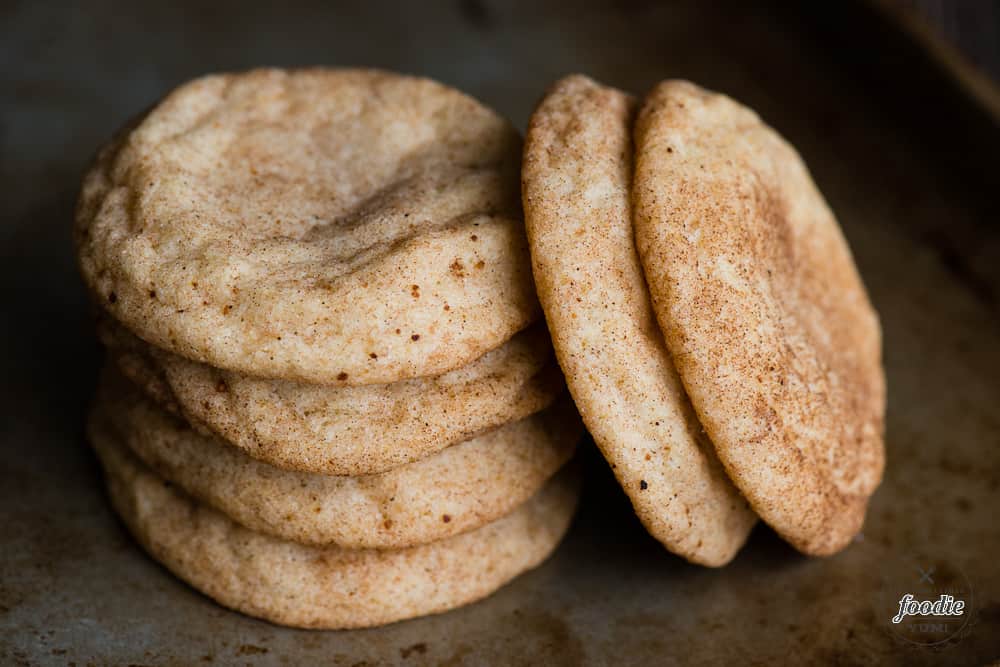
(345, 430)
(335, 226)
(577, 176)
(763, 312)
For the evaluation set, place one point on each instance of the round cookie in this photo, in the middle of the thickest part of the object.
(576, 181)
(763, 311)
(330, 587)
(345, 430)
(463, 487)
(333, 226)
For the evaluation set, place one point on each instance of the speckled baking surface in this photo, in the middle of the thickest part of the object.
(908, 166)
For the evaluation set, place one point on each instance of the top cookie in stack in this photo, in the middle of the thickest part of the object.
(347, 228)
(325, 271)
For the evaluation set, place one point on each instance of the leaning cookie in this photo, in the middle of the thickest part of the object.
(329, 587)
(457, 490)
(763, 312)
(339, 430)
(336, 226)
(576, 189)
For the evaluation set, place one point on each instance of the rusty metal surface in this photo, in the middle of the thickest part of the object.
(913, 190)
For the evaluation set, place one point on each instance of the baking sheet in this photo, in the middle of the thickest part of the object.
(906, 162)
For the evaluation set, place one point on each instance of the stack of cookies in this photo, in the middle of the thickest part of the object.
(328, 402)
